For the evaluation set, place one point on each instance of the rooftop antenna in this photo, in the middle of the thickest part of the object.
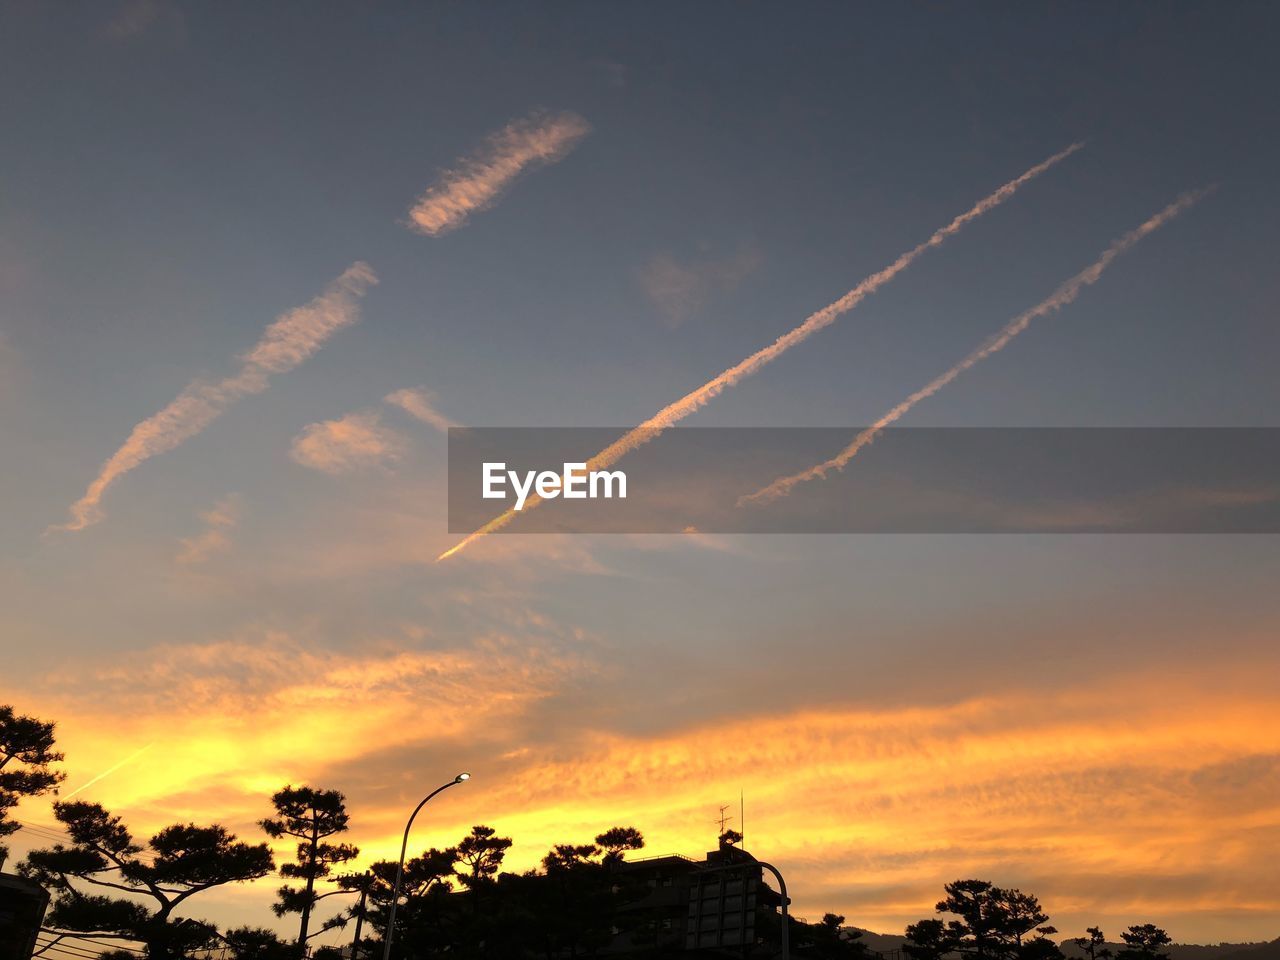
(723, 820)
(742, 818)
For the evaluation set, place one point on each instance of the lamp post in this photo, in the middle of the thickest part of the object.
(395, 891)
(786, 920)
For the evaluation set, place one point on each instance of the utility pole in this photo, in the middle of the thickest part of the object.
(364, 896)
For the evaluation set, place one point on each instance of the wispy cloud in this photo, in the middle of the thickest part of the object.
(873, 807)
(220, 521)
(680, 288)
(1064, 295)
(478, 180)
(355, 442)
(237, 716)
(286, 343)
(420, 404)
(691, 402)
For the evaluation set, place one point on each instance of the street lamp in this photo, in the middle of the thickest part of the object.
(395, 892)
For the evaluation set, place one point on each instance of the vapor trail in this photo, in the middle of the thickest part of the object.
(285, 343)
(1060, 298)
(106, 773)
(481, 178)
(828, 315)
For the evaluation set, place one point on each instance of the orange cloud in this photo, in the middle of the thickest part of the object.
(419, 405)
(354, 442)
(477, 182)
(220, 522)
(1135, 798)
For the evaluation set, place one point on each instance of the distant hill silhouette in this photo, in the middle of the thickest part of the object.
(881, 942)
(888, 942)
(1251, 951)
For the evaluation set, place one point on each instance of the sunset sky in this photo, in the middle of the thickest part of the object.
(254, 262)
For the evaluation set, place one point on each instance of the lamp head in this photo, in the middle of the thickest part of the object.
(462, 776)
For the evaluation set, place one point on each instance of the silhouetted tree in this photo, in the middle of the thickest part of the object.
(927, 940)
(481, 852)
(311, 817)
(564, 855)
(574, 904)
(26, 754)
(185, 860)
(616, 841)
(993, 923)
(573, 901)
(1144, 942)
(362, 885)
(1094, 945)
(257, 943)
(424, 892)
(829, 940)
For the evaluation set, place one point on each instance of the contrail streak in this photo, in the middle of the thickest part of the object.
(477, 183)
(1060, 298)
(286, 342)
(106, 773)
(828, 315)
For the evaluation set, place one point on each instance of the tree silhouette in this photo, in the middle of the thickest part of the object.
(1094, 945)
(482, 852)
(310, 816)
(829, 940)
(565, 855)
(1144, 942)
(26, 753)
(424, 889)
(184, 860)
(257, 943)
(572, 901)
(616, 841)
(993, 923)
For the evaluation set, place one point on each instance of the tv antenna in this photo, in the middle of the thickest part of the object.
(722, 821)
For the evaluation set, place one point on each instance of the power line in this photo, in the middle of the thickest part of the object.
(60, 834)
(57, 941)
(111, 944)
(54, 946)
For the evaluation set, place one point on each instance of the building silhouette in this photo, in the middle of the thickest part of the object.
(22, 907)
(718, 906)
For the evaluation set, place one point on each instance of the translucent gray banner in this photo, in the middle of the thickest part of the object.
(904, 480)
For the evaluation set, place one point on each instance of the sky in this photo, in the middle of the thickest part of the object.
(255, 260)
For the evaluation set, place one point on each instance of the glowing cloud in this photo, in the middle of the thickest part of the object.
(680, 289)
(286, 343)
(477, 182)
(219, 520)
(1064, 295)
(418, 404)
(234, 716)
(354, 442)
(867, 806)
(691, 402)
